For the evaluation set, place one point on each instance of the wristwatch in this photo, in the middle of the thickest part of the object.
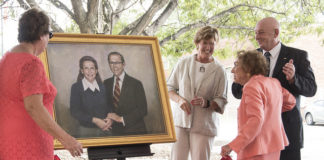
(208, 104)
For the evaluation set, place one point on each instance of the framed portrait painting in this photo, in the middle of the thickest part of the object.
(111, 89)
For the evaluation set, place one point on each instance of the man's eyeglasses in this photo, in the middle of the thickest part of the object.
(50, 34)
(115, 63)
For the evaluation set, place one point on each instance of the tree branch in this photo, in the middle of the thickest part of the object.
(92, 8)
(235, 8)
(92, 13)
(234, 27)
(107, 14)
(115, 15)
(60, 5)
(210, 21)
(23, 4)
(129, 27)
(79, 12)
(268, 10)
(31, 4)
(121, 6)
(151, 30)
(320, 6)
(182, 31)
(3, 3)
(148, 16)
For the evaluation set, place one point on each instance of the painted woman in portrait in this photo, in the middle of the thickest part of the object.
(88, 103)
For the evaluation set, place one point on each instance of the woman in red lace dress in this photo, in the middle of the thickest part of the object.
(26, 97)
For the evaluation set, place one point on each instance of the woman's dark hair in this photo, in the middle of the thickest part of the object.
(91, 59)
(32, 25)
(253, 62)
(206, 33)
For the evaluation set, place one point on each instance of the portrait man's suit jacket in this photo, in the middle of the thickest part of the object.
(132, 106)
(304, 85)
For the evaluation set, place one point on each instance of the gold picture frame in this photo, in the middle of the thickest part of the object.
(143, 61)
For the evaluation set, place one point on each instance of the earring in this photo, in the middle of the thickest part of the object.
(248, 74)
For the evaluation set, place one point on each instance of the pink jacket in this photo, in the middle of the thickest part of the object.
(260, 128)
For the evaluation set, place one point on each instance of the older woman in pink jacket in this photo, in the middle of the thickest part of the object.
(261, 135)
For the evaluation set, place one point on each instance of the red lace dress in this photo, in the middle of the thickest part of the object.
(21, 75)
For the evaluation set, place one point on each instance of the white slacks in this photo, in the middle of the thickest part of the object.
(197, 144)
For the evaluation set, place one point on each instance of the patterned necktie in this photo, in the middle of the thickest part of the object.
(267, 55)
(116, 92)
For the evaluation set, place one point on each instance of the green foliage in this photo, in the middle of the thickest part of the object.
(319, 29)
(296, 18)
(73, 28)
(119, 26)
(192, 6)
(224, 53)
(180, 46)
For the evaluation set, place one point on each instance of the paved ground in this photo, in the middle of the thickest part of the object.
(314, 142)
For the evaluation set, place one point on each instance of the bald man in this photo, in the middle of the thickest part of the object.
(292, 68)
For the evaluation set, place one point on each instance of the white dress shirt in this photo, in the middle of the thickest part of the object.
(274, 57)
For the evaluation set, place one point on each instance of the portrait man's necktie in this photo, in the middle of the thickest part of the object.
(116, 92)
(267, 55)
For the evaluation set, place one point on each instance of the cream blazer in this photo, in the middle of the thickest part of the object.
(260, 128)
(213, 86)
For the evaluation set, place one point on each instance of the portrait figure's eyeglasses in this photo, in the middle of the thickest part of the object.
(115, 63)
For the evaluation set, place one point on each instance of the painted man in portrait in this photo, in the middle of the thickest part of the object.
(126, 95)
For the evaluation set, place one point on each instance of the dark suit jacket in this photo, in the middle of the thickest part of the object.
(84, 105)
(304, 85)
(132, 106)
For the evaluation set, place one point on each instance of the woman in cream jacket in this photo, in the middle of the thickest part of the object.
(198, 88)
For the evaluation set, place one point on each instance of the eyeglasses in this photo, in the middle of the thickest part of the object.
(115, 63)
(50, 34)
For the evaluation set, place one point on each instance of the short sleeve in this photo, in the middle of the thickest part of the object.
(33, 78)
